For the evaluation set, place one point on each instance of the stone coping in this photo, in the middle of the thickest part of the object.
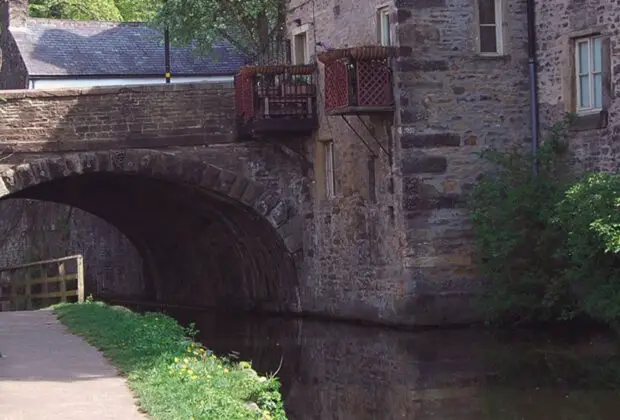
(110, 90)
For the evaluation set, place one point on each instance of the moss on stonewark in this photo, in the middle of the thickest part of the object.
(172, 376)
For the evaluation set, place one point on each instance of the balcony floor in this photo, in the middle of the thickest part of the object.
(362, 110)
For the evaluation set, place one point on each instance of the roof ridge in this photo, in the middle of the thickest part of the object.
(83, 23)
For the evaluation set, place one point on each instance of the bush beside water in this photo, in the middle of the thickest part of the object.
(173, 376)
(548, 244)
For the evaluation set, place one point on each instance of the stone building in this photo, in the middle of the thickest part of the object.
(383, 111)
(389, 228)
(578, 72)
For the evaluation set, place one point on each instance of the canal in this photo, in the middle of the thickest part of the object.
(340, 371)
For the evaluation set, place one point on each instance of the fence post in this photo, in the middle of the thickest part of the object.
(62, 283)
(80, 278)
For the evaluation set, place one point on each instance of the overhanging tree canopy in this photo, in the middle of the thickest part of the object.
(112, 10)
(249, 25)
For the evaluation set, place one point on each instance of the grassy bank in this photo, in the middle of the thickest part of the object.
(172, 376)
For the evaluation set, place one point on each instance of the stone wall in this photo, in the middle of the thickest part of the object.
(353, 241)
(409, 253)
(594, 139)
(33, 230)
(13, 73)
(453, 102)
(117, 117)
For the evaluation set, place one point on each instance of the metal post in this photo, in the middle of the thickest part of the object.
(167, 54)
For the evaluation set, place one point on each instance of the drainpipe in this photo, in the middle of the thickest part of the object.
(531, 44)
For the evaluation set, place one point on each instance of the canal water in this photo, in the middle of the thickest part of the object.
(347, 372)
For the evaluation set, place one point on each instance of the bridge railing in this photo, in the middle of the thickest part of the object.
(42, 283)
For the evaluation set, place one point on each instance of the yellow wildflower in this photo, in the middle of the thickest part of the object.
(226, 371)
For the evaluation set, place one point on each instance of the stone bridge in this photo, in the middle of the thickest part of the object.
(217, 222)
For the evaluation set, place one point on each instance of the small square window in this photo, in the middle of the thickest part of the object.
(589, 74)
(383, 26)
(490, 27)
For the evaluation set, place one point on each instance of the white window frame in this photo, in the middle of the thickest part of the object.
(383, 32)
(499, 29)
(589, 40)
(330, 171)
(301, 31)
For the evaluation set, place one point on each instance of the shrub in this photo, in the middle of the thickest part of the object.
(590, 214)
(516, 243)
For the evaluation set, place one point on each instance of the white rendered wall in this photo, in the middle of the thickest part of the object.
(83, 83)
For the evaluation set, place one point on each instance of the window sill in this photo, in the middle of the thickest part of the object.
(590, 121)
(492, 57)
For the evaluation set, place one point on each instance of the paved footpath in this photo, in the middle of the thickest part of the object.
(48, 373)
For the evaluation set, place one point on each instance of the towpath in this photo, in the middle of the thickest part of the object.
(46, 373)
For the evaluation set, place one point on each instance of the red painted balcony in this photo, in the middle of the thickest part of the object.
(276, 100)
(358, 80)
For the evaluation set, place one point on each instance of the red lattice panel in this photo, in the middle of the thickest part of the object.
(244, 95)
(336, 85)
(373, 83)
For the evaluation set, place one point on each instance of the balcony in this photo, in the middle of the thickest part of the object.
(358, 80)
(275, 100)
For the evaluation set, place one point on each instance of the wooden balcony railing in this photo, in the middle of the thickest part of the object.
(358, 80)
(276, 99)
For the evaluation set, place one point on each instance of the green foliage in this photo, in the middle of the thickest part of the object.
(590, 214)
(515, 241)
(247, 24)
(548, 245)
(172, 376)
(75, 9)
(111, 10)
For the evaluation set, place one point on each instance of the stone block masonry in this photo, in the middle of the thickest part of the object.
(63, 120)
(595, 136)
(414, 262)
(33, 230)
(452, 102)
(162, 170)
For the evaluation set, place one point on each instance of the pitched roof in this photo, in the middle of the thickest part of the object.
(53, 47)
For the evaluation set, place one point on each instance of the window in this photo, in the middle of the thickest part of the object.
(383, 26)
(300, 46)
(490, 26)
(330, 178)
(589, 74)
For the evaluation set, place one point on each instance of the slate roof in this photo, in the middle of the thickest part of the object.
(81, 48)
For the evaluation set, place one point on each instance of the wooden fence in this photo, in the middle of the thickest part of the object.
(42, 283)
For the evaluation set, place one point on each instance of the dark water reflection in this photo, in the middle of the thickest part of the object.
(339, 371)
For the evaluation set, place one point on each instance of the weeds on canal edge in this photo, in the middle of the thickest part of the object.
(173, 376)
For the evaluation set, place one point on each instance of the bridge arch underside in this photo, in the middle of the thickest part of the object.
(199, 247)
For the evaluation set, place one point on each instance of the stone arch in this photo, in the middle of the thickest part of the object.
(270, 226)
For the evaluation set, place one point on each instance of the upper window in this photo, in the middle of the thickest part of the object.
(490, 30)
(383, 26)
(589, 74)
(300, 48)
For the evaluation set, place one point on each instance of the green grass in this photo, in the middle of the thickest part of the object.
(173, 376)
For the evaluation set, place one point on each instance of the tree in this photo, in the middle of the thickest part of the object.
(249, 25)
(112, 10)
